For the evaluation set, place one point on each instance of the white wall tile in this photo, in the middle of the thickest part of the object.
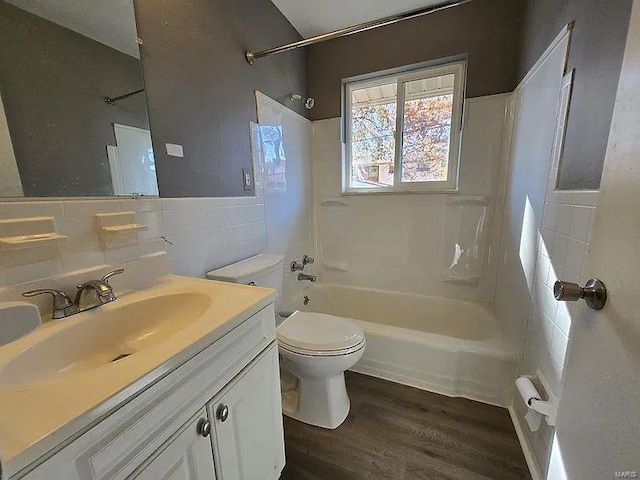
(550, 216)
(84, 208)
(216, 218)
(563, 318)
(201, 229)
(581, 223)
(547, 330)
(559, 252)
(559, 345)
(564, 219)
(550, 303)
(25, 273)
(556, 272)
(30, 209)
(575, 256)
(542, 267)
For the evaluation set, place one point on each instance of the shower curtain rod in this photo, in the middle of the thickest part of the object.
(253, 56)
(113, 100)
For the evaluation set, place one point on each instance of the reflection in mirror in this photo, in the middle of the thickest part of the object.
(73, 113)
(273, 158)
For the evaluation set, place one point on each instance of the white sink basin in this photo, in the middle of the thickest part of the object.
(106, 335)
(17, 319)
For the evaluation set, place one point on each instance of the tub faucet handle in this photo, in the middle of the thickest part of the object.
(306, 260)
(297, 266)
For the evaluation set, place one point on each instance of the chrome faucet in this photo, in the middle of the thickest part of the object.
(62, 304)
(304, 276)
(102, 289)
(64, 307)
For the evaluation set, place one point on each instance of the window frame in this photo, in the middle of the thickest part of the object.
(458, 69)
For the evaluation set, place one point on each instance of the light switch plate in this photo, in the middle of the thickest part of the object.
(246, 180)
(174, 150)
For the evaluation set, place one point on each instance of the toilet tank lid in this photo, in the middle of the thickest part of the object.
(247, 268)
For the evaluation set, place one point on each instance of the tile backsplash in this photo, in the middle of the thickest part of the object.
(204, 233)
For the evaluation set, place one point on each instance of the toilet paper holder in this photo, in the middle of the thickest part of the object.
(534, 399)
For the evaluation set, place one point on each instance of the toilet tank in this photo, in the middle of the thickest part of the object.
(264, 270)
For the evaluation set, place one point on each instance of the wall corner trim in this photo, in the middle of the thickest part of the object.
(526, 449)
(565, 32)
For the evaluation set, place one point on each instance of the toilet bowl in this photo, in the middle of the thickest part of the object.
(318, 349)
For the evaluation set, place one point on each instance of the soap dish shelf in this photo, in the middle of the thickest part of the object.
(35, 240)
(124, 229)
(118, 229)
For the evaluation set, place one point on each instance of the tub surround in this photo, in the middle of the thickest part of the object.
(396, 242)
(77, 401)
(287, 211)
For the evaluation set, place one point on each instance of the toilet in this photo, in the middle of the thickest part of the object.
(315, 347)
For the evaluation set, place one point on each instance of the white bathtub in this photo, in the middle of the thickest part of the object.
(442, 345)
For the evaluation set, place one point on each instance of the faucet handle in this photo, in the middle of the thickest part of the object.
(60, 299)
(296, 266)
(112, 273)
(306, 260)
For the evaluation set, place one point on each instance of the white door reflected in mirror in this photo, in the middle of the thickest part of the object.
(132, 164)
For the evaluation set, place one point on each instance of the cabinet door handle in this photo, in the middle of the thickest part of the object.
(204, 427)
(222, 413)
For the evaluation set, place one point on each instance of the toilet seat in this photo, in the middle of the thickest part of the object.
(322, 353)
(318, 334)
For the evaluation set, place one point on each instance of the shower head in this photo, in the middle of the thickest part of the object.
(308, 101)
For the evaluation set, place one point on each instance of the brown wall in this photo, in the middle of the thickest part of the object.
(597, 47)
(53, 81)
(200, 89)
(487, 31)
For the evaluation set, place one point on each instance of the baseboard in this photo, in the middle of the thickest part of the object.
(524, 444)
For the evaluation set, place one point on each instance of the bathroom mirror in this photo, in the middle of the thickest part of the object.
(73, 113)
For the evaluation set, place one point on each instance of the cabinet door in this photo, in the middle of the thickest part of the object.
(188, 456)
(247, 420)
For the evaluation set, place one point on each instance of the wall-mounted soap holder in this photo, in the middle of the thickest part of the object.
(118, 229)
(32, 232)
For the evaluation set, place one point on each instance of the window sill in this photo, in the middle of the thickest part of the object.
(400, 192)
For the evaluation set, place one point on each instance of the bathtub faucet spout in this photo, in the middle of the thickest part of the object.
(304, 276)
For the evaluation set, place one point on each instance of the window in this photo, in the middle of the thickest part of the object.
(403, 131)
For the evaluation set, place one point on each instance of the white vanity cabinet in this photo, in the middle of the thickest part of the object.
(216, 417)
(188, 456)
(247, 425)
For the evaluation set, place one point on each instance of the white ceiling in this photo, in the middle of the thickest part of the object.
(313, 17)
(111, 22)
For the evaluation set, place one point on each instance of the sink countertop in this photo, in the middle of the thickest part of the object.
(40, 417)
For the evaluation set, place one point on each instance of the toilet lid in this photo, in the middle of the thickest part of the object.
(319, 332)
